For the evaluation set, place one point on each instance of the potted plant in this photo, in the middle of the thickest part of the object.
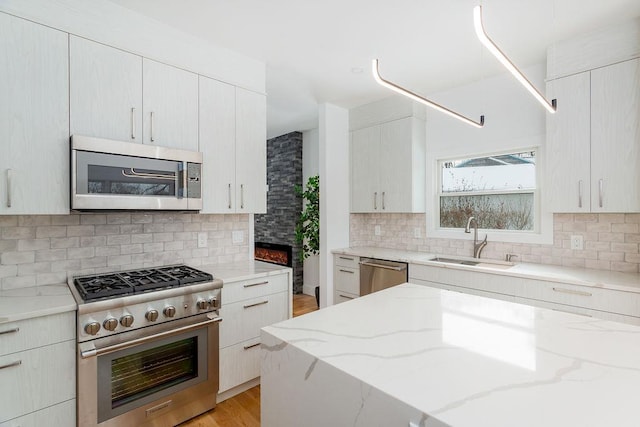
(308, 224)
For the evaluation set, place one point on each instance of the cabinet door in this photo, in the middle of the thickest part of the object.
(568, 145)
(365, 160)
(395, 180)
(34, 118)
(105, 91)
(615, 138)
(170, 106)
(218, 145)
(251, 152)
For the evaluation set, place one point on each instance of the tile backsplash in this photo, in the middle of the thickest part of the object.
(610, 240)
(45, 249)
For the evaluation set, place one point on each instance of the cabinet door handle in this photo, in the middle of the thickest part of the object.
(133, 122)
(151, 133)
(383, 206)
(9, 365)
(347, 258)
(250, 285)
(256, 304)
(10, 331)
(580, 193)
(573, 292)
(229, 196)
(247, 347)
(600, 192)
(345, 296)
(375, 200)
(346, 271)
(241, 196)
(9, 185)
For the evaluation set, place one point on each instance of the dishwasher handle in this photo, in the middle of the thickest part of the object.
(388, 267)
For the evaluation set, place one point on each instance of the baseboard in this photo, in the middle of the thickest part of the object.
(238, 389)
(309, 290)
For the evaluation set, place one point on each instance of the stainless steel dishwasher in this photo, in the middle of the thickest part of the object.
(378, 274)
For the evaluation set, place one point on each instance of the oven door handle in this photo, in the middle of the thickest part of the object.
(93, 351)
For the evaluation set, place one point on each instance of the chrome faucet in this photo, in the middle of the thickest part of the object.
(477, 247)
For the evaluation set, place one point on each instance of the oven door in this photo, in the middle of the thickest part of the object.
(156, 380)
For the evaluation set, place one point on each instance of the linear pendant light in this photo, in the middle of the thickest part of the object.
(394, 87)
(491, 46)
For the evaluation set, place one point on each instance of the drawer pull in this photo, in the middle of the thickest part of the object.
(249, 285)
(346, 258)
(256, 304)
(10, 331)
(572, 292)
(345, 296)
(16, 363)
(346, 271)
(571, 312)
(247, 347)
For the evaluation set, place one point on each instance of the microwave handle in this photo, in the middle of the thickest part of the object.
(182, 179)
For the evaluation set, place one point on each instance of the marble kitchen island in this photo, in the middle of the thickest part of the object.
(412, 355)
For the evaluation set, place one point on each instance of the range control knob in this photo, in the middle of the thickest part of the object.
(202, 304)
(152, 315)
(110, 324)
(169, 311)
(126, 320)
(92, 328)
(213, 302)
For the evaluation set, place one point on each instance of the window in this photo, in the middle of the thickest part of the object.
(499, 191)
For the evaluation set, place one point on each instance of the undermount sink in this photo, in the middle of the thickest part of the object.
(478, 263)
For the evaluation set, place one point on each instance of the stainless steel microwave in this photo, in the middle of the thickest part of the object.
(116, 175)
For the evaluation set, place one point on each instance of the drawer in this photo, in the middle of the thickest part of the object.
(581, 311)
(348, 261)
(37, 332)
(347, 279)
(242, 320)
(464, 290)
(44, 377)
(246, 289)
(239, 363)
(60, 415)
(612, 301)
(340, 296)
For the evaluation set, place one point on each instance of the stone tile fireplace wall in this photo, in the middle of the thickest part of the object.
(610, 240)
(284, 172)
(45, 249)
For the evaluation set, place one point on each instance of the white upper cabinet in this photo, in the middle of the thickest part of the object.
(615, 138)
(34, 118)
(593, 141)
(233, 143)
(388, 167)
(218, 145)
(170, 106)
(251, 152)
(105, 91)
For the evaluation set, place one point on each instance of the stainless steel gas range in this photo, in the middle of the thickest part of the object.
(147, 346)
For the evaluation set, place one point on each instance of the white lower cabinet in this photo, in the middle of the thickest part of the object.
(346, 278)
(584, 300)
(248, 306)
(38, 372)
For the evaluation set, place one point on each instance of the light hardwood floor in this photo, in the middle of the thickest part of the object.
(243, 410)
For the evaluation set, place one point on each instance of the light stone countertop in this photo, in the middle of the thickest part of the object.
(433, 357)
(26, 303)
(628, 282)
(243, 270)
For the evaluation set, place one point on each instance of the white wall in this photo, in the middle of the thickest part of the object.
(334, 191)
(310, 167)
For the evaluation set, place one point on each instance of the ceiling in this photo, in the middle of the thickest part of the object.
(321, 51)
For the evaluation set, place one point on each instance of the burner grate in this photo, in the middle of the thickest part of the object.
(107, 285)
(185, 274)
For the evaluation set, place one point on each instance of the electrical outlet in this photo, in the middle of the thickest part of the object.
(577, 242)
(237, 236)
(416, 233)
(202, 240)
(376, 230)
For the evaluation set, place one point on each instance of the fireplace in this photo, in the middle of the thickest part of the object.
(274, 253)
